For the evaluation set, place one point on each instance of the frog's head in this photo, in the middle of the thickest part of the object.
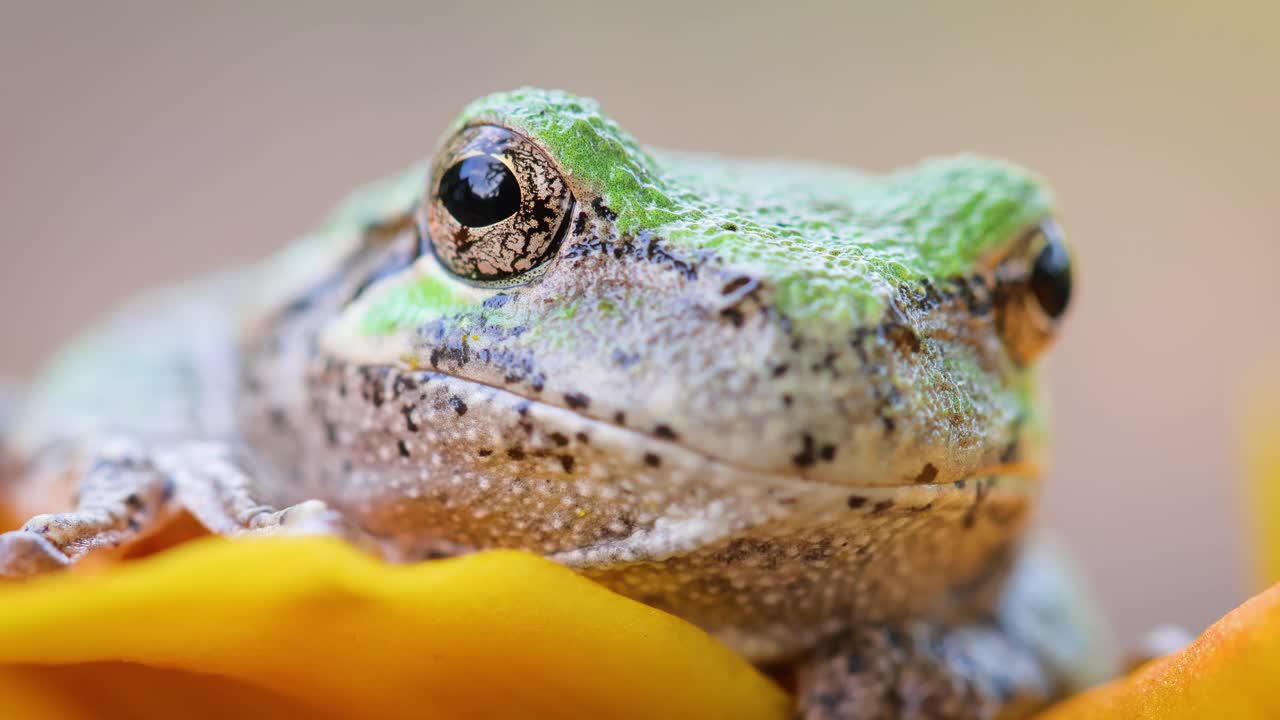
(782, 318)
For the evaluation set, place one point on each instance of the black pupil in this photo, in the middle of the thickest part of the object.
(1051, 278)
(480, 191)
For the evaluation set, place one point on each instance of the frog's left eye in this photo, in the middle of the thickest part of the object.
(496, 205)
(1033, 291)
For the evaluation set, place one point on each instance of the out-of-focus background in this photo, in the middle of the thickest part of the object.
(141, 142)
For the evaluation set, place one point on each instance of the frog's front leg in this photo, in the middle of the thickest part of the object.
(126, 492)
(916, 671)
(1042, 638)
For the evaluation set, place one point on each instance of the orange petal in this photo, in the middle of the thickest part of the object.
(1231, 671)
(311, 628)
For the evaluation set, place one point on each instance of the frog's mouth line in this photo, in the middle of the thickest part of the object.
(1024, 471)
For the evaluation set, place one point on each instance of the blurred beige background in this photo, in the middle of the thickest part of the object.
(141, 142)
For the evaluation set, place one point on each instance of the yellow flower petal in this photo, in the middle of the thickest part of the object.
(1229, 672)
(311, 628)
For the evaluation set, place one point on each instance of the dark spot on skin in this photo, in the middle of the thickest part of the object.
(977, 296)
(652, 460)
(577, 401)
(735, 285)
(620, 418)
(927, 474)
(827, 452)
(458, 406)
(853, 663)
(603, 210)
(787, 400)
(583, 438)
(1010, 452)
(407, 412)
(404, 449)
(134, 502)
(566, 462)
(855, 501)
(781, 370)
(484, 452)
(515, 452)
(881, 506)
(980, 494)
(808, 455)
(373, 387)
(625, 360)
(650, 249)
(330, 433)
(828, 363)
(559, 439)
(347, 467)
(819, 550)
(278, 418)
(523, 408)
(404, 384)
(665, 432)
(767, 554)
(580, 223)
(895, 637)
(298, 306)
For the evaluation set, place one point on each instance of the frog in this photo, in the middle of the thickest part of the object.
(794, 404)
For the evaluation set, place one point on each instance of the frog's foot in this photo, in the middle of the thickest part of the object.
(312, 517)
(24, 553)
(126, 494)
(217, 485)
(122, 495)
(916, 671)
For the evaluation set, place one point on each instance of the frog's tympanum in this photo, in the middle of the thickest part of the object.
(791, 403)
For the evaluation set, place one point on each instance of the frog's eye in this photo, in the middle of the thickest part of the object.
(496, 205)
(1033, 290)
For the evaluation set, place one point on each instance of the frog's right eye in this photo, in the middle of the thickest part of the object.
(1033, 291)
(495, 207)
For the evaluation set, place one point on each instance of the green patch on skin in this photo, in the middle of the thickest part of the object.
(410, 303)
(834, 243)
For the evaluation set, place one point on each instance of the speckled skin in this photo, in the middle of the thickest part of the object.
(793, 404)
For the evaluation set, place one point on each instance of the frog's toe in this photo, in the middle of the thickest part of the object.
(312, 517)
(26, 554)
